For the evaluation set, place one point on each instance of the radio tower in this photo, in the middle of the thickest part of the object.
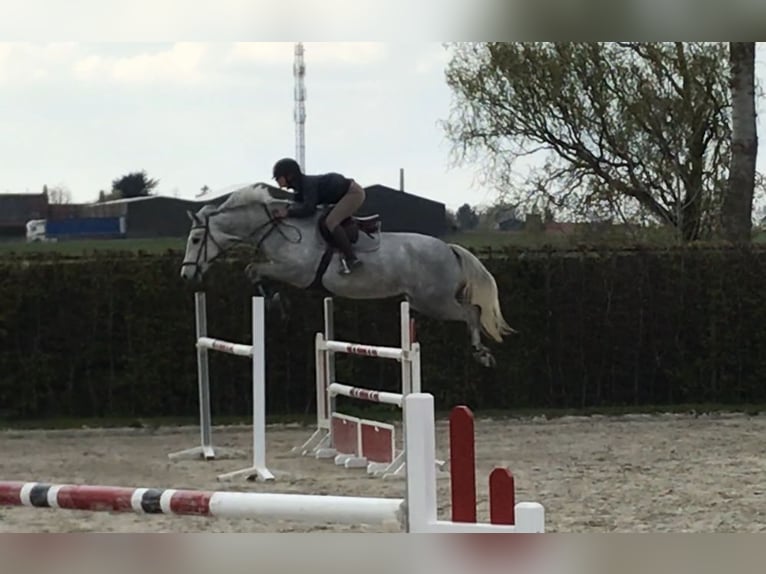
(299, 72)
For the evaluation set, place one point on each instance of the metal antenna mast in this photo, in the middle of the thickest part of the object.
(299, 73)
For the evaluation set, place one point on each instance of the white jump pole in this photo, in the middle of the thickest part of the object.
(304, 508)
(336, 389)
(256, 352)
(321, 443)
(258, 358)
(205, 450)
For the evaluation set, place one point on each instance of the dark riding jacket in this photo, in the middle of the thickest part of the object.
(314, 190)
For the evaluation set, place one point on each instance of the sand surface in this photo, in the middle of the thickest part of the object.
(663, 473)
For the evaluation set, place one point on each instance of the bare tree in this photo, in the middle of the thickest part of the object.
(737, 209)
(627, 129)
(58, 194)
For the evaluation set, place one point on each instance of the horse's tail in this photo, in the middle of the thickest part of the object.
(481, 289)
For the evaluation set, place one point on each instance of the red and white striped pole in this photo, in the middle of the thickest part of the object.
(297, 507)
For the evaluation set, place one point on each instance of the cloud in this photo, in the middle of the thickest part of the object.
(181, 63)
(317, 53)
(23, 63)
(89, 67)
(26, 64)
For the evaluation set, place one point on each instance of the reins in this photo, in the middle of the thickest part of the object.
(274, 223)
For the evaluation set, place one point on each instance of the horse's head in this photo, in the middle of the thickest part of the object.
(201, 246)
(245, 217)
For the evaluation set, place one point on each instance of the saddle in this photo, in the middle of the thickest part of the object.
(354, 226)
(368, 224)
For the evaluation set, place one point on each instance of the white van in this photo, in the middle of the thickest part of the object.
(36, 230)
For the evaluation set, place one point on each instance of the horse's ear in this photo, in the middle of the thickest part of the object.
(192, 216)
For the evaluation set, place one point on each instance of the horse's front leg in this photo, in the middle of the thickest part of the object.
(258, 272)
(256, 277)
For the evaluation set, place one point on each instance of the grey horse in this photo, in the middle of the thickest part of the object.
(440, 280)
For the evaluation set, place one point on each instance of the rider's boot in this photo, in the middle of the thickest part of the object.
(349, 262)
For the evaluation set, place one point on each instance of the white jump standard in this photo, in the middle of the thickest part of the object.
(351, 441)
(256, 352)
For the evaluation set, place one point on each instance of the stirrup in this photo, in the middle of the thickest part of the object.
(345, 269)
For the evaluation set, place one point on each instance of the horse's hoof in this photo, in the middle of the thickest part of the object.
(251, 273)
(273, 302)
(281, 305)
(485, 358)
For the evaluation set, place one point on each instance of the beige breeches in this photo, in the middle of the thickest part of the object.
(347, 205)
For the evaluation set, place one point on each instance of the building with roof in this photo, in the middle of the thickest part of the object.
(147, 216)
(18, 208)
(163, 216)
(160, 216)
(405, 212)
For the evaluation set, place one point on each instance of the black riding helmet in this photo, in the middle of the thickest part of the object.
(287, 168)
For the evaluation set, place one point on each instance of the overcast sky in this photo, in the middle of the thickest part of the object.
(220, 113)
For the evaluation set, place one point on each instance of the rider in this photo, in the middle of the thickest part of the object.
(313, 190)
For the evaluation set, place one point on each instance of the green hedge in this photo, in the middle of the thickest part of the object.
(114, 336)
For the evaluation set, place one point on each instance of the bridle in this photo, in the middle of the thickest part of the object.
(273, 222)
(206, 235)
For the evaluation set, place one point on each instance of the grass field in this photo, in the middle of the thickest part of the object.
(472, 239)
(161, 245)
(85, 247)
(478, 240)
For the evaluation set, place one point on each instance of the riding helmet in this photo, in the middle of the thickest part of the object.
(286, 167)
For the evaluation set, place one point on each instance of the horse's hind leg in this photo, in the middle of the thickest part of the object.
(454, 310)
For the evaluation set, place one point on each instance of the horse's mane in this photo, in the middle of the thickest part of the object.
(260, 193)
